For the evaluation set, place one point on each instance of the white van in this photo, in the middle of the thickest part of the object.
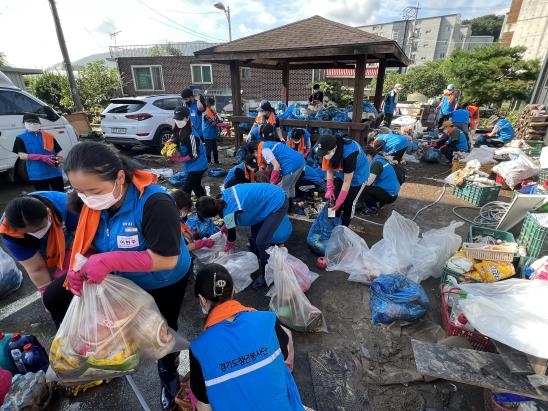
(15, 102)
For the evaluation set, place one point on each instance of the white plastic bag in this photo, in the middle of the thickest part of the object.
(107, 331)
(240, 266)
(288, 301)
(10, 275)
(515, 171)
(209, 255)
(482, 154)
(511, 311)
(300, 270)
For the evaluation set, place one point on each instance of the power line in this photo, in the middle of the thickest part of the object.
(177, 28)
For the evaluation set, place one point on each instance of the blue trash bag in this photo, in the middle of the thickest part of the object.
(283, 232)
(413, 147)
(10, 276)
(217, 172)
(201, 228)
(320, 231)
(395, 297)
(341, 116)
(367, 107)
(178, 179)
(431, 155)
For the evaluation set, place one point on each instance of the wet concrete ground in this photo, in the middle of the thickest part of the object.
(345, 306)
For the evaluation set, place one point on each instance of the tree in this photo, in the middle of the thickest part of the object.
(492, 74)
(429, 79)
(52, 88)
(164, 50)
(489, 25)
(97, 84)
(390, 80)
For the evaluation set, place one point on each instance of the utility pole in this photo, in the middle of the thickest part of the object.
(68, 66)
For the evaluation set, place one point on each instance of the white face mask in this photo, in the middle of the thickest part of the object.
(330, 155)
(181, 123)
(101, 201)
(32, 127)
(42, 232)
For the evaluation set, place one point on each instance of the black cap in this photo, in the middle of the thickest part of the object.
(265, 105)
(214, 283)
(186, 93)
(31, 117)
(268, 132)
(181, 112)
(210, 101)
(325, 144)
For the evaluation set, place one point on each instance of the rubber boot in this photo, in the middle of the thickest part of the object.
(169, 380)
(260, 280)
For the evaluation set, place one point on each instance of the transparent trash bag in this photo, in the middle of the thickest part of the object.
(288, 301)
(107, 331)
(300, 270)
(209, 255)
(10, 276)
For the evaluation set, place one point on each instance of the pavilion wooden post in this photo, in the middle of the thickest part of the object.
(380, 84)
(357, 106)
(236, 99)
(285, 83)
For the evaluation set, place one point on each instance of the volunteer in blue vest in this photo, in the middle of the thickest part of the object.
(133, 226)
(243, 172)
(448, 104)
(211, 120)
(299, 139)
(196, 105)
(266, 115)
(502, 133)
(382, 186)
(287, 164)
(243, 359)
(37, 230)
(260, 206)
(40, 151)
(395, 144)
(191, 152)
(453, 139)
(347, 171)
(390, 104)
(461, 118)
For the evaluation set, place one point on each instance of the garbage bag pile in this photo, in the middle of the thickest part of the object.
(401, 250)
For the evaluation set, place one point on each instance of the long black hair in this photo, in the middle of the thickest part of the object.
(25, 211)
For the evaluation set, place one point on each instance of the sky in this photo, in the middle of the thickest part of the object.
(29, 39)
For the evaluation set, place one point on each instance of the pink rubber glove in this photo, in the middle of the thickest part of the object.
(224, 229)
(43, 158)
(181, 159)
(206, 242)
(274, 176)
(76, 282)
(229, 247)
(330, 192)
(340, 199)
(100, 265)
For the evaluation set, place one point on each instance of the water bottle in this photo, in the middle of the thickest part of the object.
(33, 359)
(18, 361)
(18, 341)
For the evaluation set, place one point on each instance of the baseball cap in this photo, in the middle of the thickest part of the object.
(31, 117)
(186, 93)
(450, 86)
(325, 144)
(265, 105)
(181, 112)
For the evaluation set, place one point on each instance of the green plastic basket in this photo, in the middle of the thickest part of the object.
(542, 175)
(496, 234)
(477, 194)
(533, 237)
(534, 149)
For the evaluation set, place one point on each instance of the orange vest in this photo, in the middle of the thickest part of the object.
(260, 158)
(301, 149)
(270, 120)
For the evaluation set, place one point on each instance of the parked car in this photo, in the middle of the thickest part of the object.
(143, 120)
(15, 102)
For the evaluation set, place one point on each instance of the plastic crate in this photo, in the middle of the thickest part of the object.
(534, 149)
(477, 194)
(542, 175)
(457, 165)
(496, 234)
(477, 340)
(533, 237)
(487, 254)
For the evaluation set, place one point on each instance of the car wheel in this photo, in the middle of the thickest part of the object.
(162, 137)
(123, 147)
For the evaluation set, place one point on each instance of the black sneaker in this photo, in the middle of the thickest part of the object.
(370, 211)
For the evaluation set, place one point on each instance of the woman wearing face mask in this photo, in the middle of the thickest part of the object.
(238, 361)
(243, 172)
(40, 150)
(192, 152)
(37, 231)
(133, 226)
(347, 171)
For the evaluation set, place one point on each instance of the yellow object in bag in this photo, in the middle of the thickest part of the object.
(492, 271)
(169, 150)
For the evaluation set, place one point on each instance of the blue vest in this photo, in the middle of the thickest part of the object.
(394, 142)
(506, 132)
(254, 134)
(387, 180)
(196, 119)
(123, 232)
(200, 162)
(461, 116)
(243, 365)
(389, 103)
(462, 141)
(38, 170)
(231, 173)
(314, 175)
(210, 128)
(253, 202)
(361, 173)
(446, 106)
(290, 160)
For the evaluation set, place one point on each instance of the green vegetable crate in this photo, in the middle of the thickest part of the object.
(533, 237)
(535, 147)
(477, 194)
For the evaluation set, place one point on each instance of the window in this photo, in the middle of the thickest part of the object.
(201, 73)
(148, 78)
(169, 104)
(245, 73)
(14, 102)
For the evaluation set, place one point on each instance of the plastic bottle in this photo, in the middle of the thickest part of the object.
(459, 319)
(18, 361)
(18, 341)
(33, 359)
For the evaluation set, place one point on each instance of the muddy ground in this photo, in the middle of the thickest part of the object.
(371, 366)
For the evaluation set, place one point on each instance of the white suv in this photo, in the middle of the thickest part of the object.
(147, 120)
